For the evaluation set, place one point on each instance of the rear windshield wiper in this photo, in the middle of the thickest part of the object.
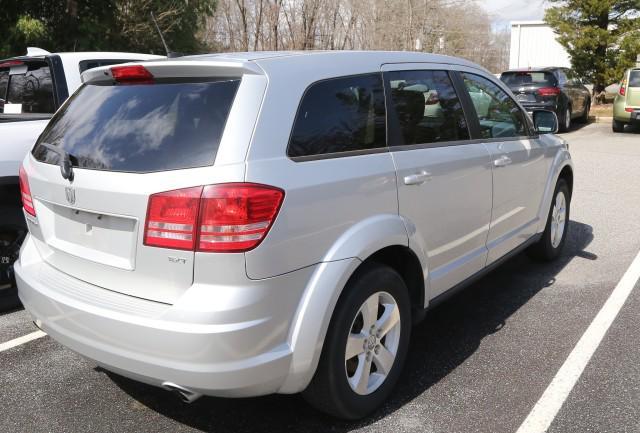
(66, 160)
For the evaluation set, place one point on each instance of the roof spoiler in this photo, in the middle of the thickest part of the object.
(35, 51)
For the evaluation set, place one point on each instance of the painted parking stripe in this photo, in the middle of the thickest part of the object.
(21, 340)
(546, 409)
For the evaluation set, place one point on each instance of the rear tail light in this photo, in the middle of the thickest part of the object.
(623, 91)
(629, 110)
(134, 74)
(233, 217)
(549, 91)
(25, 193)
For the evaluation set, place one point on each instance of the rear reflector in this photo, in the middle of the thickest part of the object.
(549, 91)
(134, 74)
(231, 217)
(25, 193)
(629, 110)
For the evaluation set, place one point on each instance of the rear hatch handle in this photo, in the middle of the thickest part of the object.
(66, 163)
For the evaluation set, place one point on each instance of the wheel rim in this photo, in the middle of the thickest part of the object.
(372, 344)
(558, 219)
(567, 119)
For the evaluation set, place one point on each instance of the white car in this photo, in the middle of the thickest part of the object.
(243, 224)
(32, 88)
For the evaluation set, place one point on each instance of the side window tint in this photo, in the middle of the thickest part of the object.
(427, 107)
(498, 114)
(340, 115)
(4, 80)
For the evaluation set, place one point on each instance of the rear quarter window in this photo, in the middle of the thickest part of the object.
(141, 127)
(31, 92)
(340, 115)
(634, 78)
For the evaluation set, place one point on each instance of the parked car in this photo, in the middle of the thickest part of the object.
(626, 106)
(555, 89)
(253, 223)
(32, 88)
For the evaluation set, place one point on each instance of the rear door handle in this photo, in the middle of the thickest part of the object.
(503, 161)
(418, 178)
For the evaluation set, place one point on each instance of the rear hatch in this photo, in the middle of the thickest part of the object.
(532, 87)
(26, 90)
(633, 89)
(128, 140)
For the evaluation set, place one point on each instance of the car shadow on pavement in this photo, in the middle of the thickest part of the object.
(449, 335)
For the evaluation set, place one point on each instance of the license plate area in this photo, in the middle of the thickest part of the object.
(524, 97)
(102, 238)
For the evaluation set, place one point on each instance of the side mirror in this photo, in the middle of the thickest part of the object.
(545, 122)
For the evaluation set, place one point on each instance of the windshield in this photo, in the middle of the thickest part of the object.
(141, 127)
(528, 78)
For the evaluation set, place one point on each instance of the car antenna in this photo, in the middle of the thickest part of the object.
(170, 54)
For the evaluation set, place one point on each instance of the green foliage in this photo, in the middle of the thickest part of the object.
(103, 25)
(601, 36)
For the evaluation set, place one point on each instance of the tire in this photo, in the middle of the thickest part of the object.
(585, 113)
(565, 125)
(334, 388)
(617, 126)
(13, 229)
(552, 242)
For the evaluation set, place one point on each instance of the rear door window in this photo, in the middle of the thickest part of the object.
(499, 116)
(141, 127)
(634, 78)
(30, 92)
(4, 81)
(426, 106)
(340, 115)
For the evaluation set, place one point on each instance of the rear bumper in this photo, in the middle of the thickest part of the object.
(531, 106)
(228, 348)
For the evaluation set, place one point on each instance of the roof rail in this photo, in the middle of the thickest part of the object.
(35, 51)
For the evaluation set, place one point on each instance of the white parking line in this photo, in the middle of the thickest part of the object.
(21, 340)
(546, 409)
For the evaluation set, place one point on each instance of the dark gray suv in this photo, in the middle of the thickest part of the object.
(555, 89)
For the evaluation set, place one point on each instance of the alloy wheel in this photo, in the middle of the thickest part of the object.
(372, 344)
(558, 219)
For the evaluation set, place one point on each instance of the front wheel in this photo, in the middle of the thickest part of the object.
(554, 236)
(365, 346)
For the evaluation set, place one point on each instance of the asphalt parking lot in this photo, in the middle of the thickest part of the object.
(478, 363)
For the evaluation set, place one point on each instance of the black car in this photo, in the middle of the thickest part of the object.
(554, 89)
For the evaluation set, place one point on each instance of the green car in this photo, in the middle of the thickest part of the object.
(626, 107)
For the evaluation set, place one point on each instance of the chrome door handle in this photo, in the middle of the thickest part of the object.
(503, 161)
(418, 178)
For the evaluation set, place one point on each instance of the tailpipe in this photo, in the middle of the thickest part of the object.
(186, 395)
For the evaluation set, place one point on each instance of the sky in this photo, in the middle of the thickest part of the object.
(504, 11)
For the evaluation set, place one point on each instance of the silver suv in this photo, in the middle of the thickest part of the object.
(254, 223)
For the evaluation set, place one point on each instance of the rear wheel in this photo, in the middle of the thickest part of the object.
(554, 236)
(365, 346)
(617, 126)
(566, 120)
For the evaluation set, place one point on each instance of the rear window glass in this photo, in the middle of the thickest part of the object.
(141, 128)
(340, 115)
(31, 92)
(634, 78)
(528, 78)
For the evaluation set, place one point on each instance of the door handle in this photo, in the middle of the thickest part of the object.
(418, 178)
(503, 161)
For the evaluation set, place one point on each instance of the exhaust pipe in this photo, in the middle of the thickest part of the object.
(186, 395)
